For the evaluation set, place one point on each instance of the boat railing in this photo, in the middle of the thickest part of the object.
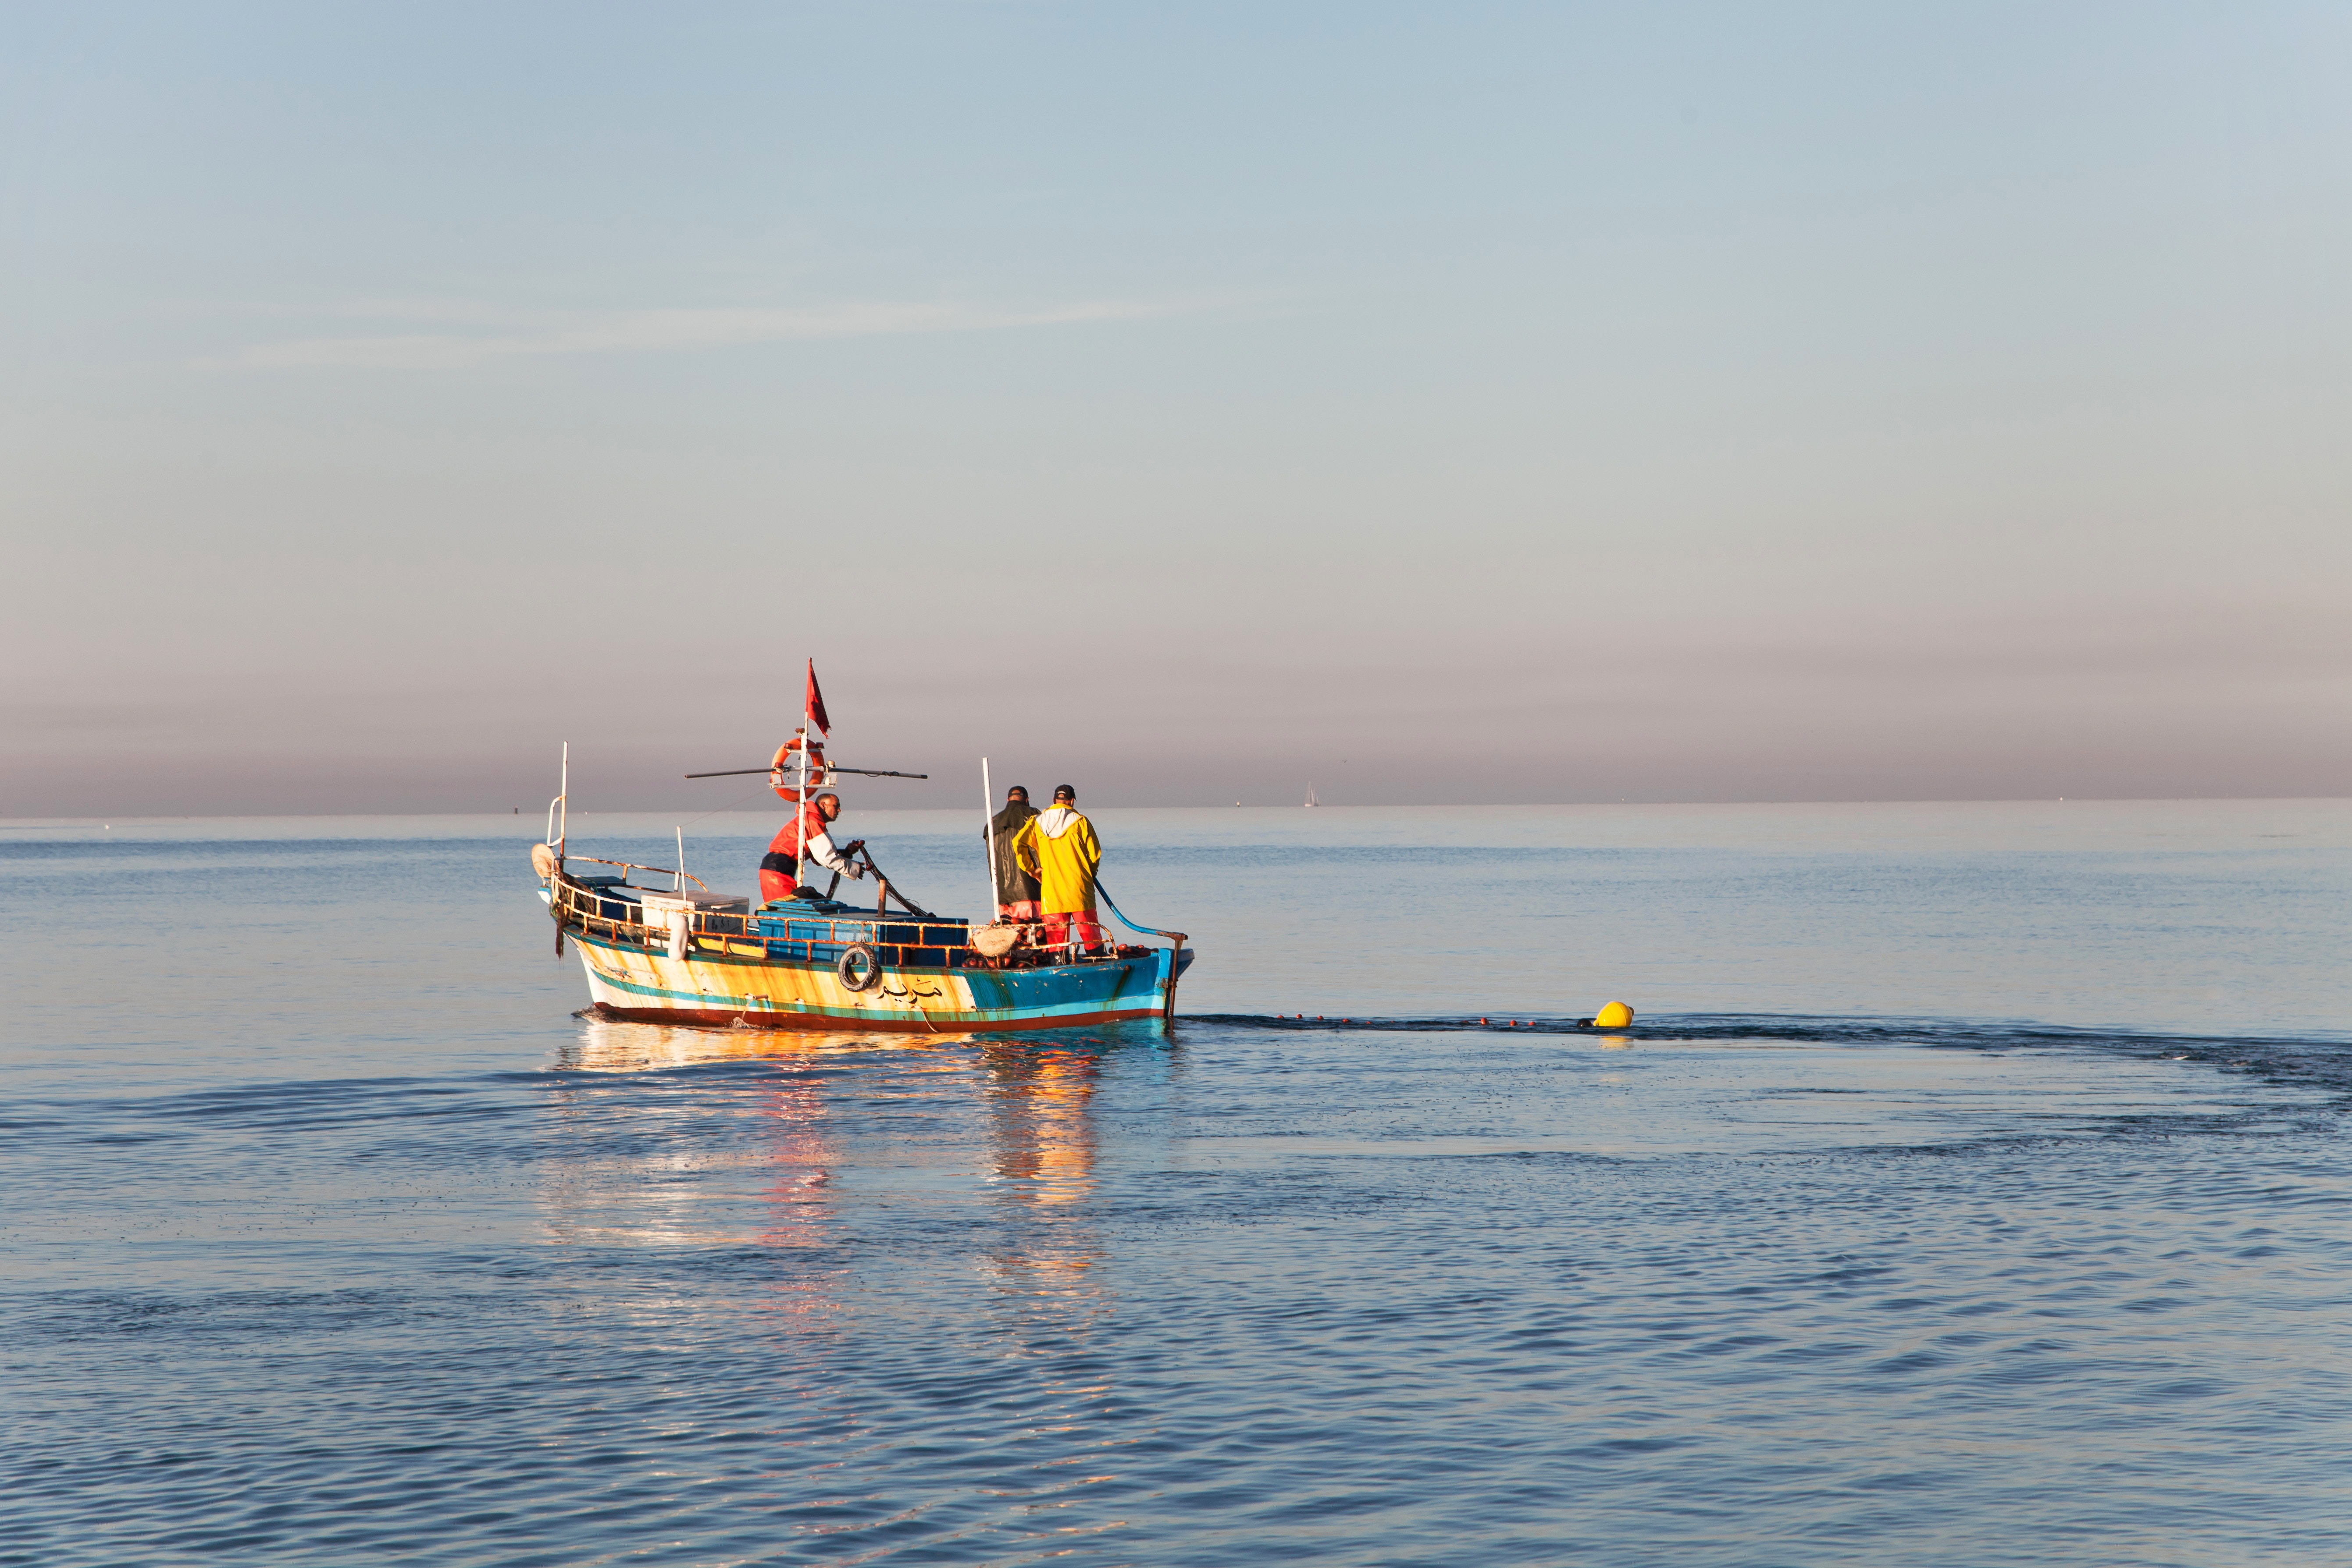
(594, 912)
(812, 936)
(629, 865)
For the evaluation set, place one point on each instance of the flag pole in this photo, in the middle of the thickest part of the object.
(988, 835)
(800, 859)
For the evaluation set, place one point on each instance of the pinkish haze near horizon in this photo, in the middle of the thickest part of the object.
(1440, 405)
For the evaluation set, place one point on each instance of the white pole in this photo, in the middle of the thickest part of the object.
(800, 861)
(677, 883)
(988, 835)
(563, 820)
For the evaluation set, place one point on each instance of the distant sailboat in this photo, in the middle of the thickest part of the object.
(1310, 793)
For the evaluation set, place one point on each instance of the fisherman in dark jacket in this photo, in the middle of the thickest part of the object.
(1017, 891)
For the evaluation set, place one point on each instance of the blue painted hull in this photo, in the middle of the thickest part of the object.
(651, 957)
(638, 980)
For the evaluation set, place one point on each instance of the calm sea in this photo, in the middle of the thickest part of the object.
(1972, 1190)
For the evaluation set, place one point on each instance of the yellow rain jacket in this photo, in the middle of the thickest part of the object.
(1059, 848)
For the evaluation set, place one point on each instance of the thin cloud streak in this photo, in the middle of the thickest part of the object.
(670, 331)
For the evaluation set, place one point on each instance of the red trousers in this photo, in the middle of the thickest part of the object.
(1077, 925)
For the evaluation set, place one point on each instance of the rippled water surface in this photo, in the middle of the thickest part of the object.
(1971, 1190)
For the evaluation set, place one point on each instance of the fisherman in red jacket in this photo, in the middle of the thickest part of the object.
(807, 835)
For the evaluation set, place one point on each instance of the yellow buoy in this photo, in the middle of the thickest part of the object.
(1615, 1015)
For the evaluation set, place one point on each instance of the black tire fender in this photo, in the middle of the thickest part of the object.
(844, 969)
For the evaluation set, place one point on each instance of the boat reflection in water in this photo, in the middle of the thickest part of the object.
(1044, 1144)
(826, 1147)
(605, 1047)
(1042, 1151)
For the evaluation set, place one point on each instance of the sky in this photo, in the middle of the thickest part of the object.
(1434, 403)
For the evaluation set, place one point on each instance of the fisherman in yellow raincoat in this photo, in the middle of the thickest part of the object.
(1059, 848)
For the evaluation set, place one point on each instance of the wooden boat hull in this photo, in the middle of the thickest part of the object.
(631, 981)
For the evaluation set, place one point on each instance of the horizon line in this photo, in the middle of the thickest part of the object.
(60, 822)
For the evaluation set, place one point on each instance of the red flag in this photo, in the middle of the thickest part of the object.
(815, 706)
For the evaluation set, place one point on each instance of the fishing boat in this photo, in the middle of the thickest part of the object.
(675, 954)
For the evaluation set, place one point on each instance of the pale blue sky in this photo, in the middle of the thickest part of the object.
(1672, 403)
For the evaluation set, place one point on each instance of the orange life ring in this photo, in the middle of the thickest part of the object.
(783, 772)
